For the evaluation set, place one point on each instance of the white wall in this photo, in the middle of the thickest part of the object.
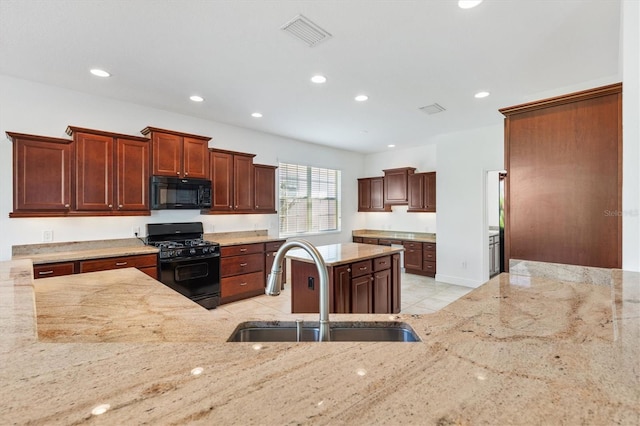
(464, 158)
(493, 198)
(630, 49)
(33, 108)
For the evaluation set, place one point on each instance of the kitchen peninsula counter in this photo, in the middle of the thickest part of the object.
(340, 254)
(520, 349)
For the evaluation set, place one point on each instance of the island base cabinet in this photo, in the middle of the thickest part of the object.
(370, 286)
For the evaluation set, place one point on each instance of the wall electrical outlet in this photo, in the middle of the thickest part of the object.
(47, 236)
(464, 264)
(136, 231)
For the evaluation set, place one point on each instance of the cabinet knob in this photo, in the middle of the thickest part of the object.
(230, 207)
(348, 269)
(186, 173)
(110, 206)
(119, 206)
(178, 173)
(66, 205)
(243, 264)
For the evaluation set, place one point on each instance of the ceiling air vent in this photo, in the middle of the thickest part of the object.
(303, 29)
(432, 109)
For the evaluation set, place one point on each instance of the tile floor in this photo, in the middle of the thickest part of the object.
(420, 295)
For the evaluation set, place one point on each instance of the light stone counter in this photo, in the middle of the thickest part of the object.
(340, 254)
(520, 349)
(243, 237)
(80, 250)
(424, 237)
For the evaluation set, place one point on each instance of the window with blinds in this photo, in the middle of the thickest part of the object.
(309, 200)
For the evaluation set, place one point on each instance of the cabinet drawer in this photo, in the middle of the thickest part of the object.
(370, 240)
(236, 265)
(429, 255)
(361, 268)
(429, 268)
(429, 246)
(241, 284)
(384, 242)
(52, 270)
(273, 246)
(118, 262)
(241, 249)
(357, 239)
(410, 245)
(381, 263)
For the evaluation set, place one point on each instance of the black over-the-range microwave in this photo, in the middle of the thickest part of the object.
(177, 193)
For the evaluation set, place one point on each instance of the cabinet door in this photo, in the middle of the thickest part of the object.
(413, 256)
(41, 173)
(243, 182)
(396, 185)
(94, 172)
(221, 180)
(167, 154)
(377, 194)
(265, 188)
(361, 294)
(430, 191)
(132, 164)
(341, 289)
(364, 195)
(382, 292)
(195, 158)
(416, 191)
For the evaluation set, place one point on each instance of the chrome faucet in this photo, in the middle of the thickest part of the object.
(274, 282)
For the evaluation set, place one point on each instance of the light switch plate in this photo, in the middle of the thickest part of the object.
(47, 236)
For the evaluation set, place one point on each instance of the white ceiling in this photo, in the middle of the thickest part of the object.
(403, 54)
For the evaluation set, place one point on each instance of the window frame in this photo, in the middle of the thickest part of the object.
(312, 227)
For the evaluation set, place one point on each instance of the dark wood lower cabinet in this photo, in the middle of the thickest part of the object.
(147, 263)
(369, 286)
(382, 292)
(361, 295)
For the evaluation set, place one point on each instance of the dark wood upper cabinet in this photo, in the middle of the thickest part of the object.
(396, 187)
(563, 193)
(422, 192)
(94, 171)
(41, 173)
(264, 188)
(112, 172)
(132, 174)
(243, 182)
(178, 154)
(371, 195)
(232, 180)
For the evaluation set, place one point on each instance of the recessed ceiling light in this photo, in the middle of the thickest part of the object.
(468, 4)
(256, 115)
(99, 73)
(196, 98)
(391, 145)
(361, 98)
(319, 79)
(481, 95)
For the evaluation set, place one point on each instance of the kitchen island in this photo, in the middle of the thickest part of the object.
(521, 349)
(363, 278)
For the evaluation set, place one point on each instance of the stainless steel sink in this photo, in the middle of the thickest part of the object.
(339, 332)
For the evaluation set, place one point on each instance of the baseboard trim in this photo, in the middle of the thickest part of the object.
(465, 282)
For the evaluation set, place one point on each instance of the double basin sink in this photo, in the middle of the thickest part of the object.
(281, 331)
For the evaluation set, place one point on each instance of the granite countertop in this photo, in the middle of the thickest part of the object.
(340, 254)
(424, 237)
(520, 349)
(81, 250)
(238, 238)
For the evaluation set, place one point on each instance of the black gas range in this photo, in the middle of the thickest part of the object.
(189, 264)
